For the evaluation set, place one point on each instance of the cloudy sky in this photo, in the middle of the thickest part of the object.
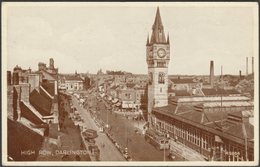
(87, 37)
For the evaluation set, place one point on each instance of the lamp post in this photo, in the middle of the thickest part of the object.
(107, 118)
(164, 150)
(126, 138)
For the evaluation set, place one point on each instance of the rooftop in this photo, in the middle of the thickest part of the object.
(179, 92)
(209, 121)
(40, 103)
(208, 92)
(211, 99)
(228, 104)
(183, 80)
(73, 78)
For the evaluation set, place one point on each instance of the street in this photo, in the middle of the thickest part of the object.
(109, 151)
(124, 133)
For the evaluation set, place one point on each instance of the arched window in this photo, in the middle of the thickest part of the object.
(161, 78)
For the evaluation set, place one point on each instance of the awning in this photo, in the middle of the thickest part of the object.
(76, 112)
(218, 139)
(140, 111)
(115, 100)
(82, 100)
(118, 104)
(128, 105)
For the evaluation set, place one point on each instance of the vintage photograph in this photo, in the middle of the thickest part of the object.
(128, 83)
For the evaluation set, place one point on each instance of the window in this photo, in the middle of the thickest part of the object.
(161, 64)
(161, 90)
(205, 141)
(188, 135)
(161, 78)
(197, 138)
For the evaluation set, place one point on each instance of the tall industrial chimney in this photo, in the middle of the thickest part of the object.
(252, 65)
(211, 73)
(246, 65)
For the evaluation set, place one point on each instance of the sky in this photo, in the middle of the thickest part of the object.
(86, 37)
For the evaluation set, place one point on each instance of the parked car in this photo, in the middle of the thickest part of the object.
(90, 134)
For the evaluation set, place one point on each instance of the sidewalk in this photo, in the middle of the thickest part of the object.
(129, 113)
(185, 152)
(109, 151)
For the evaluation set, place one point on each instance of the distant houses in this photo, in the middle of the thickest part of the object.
(71, 83)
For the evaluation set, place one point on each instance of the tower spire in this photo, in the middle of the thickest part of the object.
(158, 32)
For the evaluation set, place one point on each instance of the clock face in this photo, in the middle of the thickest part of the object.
(161, 53)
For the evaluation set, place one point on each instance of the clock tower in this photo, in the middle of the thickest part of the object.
(157, 58)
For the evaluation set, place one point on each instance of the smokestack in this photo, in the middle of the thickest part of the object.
(240, 74)
(252, 65)
(246, 65)
(15, 78)
(212, 73)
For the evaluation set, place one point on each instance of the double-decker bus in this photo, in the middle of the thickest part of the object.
(157, 139)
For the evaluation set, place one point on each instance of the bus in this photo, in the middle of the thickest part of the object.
(157, 139)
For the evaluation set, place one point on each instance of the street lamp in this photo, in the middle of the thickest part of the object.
(164, 149)
(107, 117)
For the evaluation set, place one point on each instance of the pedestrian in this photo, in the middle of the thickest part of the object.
(77, 158)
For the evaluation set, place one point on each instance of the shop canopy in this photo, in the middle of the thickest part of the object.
(82, 100)
(128, 105)
(102, 94)
(118, 104)
(115, 100)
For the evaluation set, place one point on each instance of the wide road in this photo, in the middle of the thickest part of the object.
(107, 153)
(123, 131)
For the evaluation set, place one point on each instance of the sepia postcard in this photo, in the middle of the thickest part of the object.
(130, 84)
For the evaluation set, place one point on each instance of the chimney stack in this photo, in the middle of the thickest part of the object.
(240, 75)
(246, 65)
(15, 78)
(212, 73)
(9, 78)
(252, 65)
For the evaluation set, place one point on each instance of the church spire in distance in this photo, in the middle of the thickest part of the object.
(158, 32)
